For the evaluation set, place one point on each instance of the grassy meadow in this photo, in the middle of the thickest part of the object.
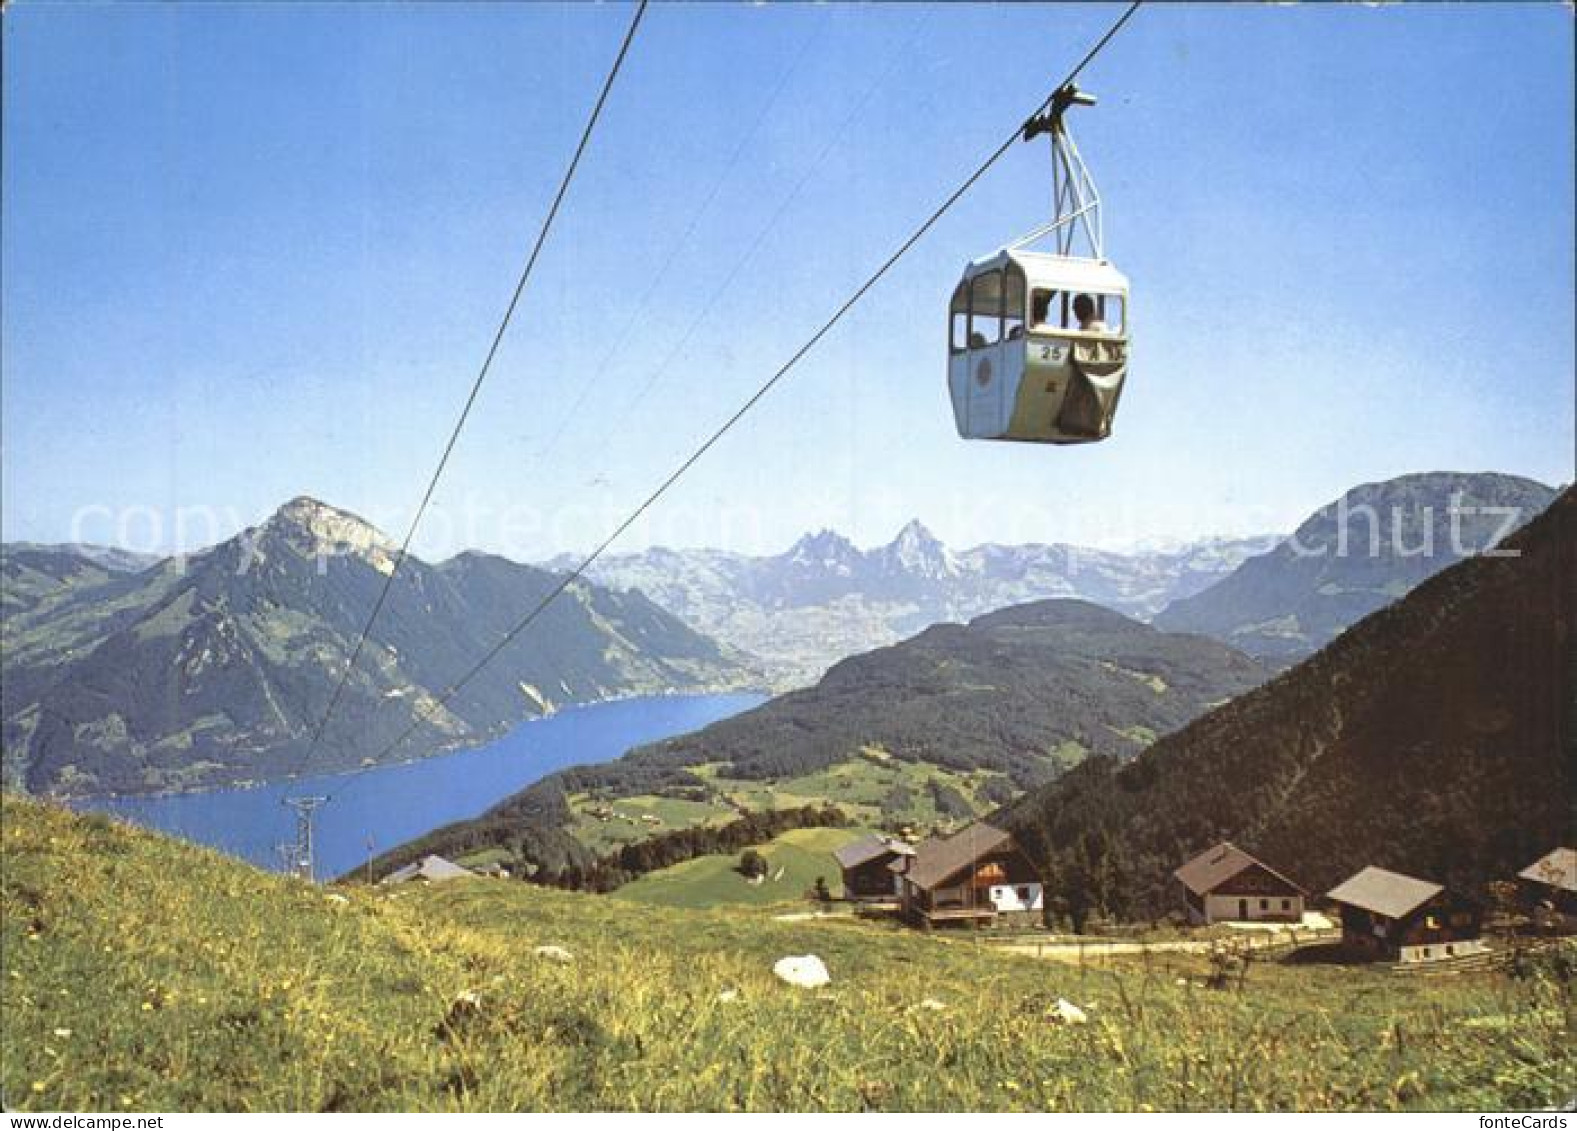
(794, 861)
(143, 973)
(872, 787)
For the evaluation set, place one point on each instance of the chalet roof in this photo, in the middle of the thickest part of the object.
(433, 869)
(1386, 893)
(869, 848)
(902, 864)
(1215, 866)
(936, 860)
(1557, 869)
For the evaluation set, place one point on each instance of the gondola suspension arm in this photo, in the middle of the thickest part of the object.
(1076, 203)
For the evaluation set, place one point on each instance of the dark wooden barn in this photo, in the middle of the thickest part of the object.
(1386, 915)
(866, 866)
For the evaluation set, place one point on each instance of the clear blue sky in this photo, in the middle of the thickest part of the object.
(257, 251)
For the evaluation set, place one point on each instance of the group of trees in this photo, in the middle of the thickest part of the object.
(1087, 880)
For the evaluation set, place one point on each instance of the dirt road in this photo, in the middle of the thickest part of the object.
(1064, 950)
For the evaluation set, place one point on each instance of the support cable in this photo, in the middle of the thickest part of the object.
(476, 385)
(570, 578)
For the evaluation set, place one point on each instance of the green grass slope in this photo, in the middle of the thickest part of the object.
(141, 973)
(794, 860)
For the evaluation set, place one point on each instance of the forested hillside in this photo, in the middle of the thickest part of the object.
(1434, 738)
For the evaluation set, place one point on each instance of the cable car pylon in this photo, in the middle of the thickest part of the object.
(301, 858)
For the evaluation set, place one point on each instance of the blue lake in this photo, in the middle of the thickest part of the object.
(382, 808)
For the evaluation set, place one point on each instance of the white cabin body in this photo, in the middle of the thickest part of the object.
(1020, 364)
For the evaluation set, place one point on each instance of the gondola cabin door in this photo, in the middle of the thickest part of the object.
(986, 349)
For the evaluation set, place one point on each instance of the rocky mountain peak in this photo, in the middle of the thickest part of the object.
(918, 552)
(1354, 556)
(824, 548)
(916, 533)
(1471, 511)
(316, 529)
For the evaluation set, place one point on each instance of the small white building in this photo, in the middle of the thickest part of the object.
(429, 869)
(1224, 884)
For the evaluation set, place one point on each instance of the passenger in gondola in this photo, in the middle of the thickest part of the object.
(1084, 311)
(1040, 307)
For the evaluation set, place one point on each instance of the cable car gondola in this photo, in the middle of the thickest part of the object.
(1038, 341)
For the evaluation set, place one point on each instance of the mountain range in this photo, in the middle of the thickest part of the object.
(128, 674)
(1355, 555)
(1435, 738)
(823, 598)
(215, 669)
(984, 710)
(34, 575)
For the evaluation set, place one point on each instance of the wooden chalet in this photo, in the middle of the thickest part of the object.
(866, 865)
(1386, 915)
(1548, 887)
(1224, 884)
(976, 876)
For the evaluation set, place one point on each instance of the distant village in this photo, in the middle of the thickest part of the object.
(980, 877)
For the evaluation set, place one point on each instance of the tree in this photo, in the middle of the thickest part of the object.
(752, 864)
(823, 894)
(1076, 892)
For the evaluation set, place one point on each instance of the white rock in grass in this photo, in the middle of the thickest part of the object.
(1066, 1013)
(336, 897)
(802, 970)
(932, 1004)
(729, 995)
(466, 1007)
(554, 954)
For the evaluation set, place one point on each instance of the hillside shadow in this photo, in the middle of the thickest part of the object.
(1323, 954)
